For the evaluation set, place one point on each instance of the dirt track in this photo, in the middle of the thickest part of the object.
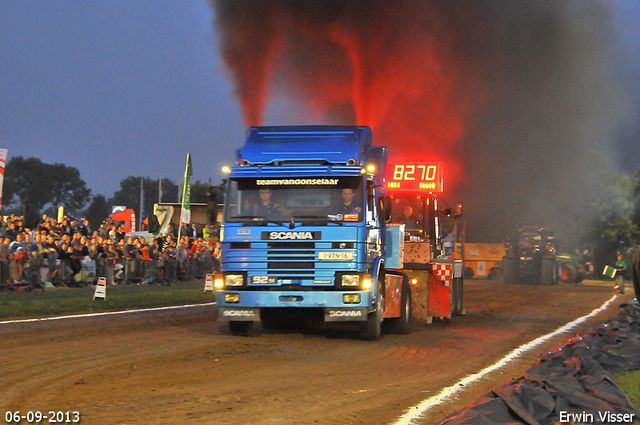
(182, 366)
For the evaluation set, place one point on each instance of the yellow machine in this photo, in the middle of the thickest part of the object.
(481, 259)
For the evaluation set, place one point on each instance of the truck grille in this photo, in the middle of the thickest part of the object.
(291, 260)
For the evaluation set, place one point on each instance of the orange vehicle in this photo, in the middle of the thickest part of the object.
(126, 218)
(481, 259)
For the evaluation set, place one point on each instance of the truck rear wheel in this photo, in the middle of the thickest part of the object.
(402, 325)
(240, 328)
(372, 328)
(458, 305)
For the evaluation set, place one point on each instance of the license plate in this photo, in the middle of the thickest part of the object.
(264, 279)
(335, 256)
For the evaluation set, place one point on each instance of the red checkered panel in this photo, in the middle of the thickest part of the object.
(442, 271)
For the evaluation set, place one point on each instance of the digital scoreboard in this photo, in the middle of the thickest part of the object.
(414, 177)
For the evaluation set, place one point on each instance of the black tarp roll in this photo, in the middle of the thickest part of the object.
(572, 380)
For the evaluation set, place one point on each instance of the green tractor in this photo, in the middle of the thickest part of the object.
(571, 270)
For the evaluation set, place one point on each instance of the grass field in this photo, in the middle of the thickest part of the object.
(80, 300)
(628, 382)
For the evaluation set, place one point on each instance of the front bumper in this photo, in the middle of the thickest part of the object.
(246, 305)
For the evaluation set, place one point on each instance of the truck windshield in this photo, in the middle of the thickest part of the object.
(305, 200)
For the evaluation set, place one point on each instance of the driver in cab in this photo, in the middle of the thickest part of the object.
(349, 206)
(265, 207)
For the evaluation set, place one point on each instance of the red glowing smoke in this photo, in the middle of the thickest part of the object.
(387, 65)
(513, 92)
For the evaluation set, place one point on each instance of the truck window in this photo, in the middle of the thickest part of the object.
(329, 199)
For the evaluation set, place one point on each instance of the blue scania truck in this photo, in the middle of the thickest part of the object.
(307, 234)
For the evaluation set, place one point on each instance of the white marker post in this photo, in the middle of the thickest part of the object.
(101, 289)
(208, 283)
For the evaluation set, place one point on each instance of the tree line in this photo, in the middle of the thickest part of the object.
(32, 187)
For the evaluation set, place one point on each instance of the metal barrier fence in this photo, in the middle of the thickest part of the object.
(5, 275)
(37, 271)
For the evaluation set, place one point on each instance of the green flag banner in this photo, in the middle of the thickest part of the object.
(609, 272)
(185, 216)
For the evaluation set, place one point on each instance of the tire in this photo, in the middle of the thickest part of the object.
(547, 272)
(495, 274)
(508, 270)
(372, 328)
(402, 325)
(468, 273)
(459, 303)
(240, 328)
(568, 274)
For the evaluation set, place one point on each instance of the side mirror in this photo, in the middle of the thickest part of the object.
(386, 208)
(215, 196)
(458, 210)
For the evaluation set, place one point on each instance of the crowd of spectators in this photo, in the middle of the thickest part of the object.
(57, 251)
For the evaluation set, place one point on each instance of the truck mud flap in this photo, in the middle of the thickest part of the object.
(239, 314)
(345, 314)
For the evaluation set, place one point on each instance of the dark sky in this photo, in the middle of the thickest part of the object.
(128, 88)
(116, 89)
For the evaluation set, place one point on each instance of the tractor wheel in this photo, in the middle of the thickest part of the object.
(508, 270)
(495, 273)
(568, 273)
(547, 272)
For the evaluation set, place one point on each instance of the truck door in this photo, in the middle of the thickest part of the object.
(374, 224)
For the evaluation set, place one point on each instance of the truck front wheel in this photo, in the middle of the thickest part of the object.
(372, 328)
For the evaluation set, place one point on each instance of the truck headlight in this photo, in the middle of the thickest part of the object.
(233, 280)
(350, 280)
(367, 282)
(218, 283)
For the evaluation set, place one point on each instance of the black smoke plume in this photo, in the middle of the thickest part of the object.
(513, 96)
